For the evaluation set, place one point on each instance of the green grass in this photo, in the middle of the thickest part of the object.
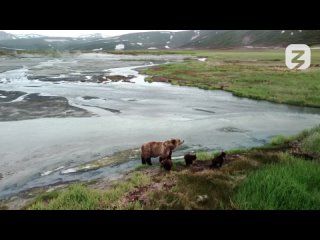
(256, 74)
(280, 140)
(205, 155)
(290, 185)
(311, 143)
(80, 197)
(148, 52)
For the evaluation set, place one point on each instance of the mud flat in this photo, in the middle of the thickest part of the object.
(32, 106)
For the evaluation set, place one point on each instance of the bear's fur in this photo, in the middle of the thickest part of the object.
(166, 164)
(163, 150)
(189, 158)
(218, 161)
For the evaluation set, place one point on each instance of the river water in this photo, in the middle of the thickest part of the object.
(38, 149)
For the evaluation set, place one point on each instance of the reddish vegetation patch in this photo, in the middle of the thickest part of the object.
(137, 194)
(160, 79)
(161, 183)
(296, 151)
(140, 193)
(115, 78)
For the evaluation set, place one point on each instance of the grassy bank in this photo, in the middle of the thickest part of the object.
(255, 74)
(279, 175)
(82, 197)
(291, 184)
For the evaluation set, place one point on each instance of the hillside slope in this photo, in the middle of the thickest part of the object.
(193, 39)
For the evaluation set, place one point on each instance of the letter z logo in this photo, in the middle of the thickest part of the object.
(298, 56)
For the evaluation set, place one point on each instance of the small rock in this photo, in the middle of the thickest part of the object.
(202, 198)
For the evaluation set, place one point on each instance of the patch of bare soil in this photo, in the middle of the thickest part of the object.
(296, 151)
(115, 78)
(160, 79)
(159, 182)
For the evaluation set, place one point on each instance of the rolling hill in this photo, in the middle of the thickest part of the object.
(194, 39)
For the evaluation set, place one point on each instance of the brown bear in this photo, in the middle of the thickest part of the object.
(189, 158)
(218, 161)
(163, 150)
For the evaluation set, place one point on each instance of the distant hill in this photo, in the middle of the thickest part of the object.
(6, 36)
(193, 39)
(253, 38)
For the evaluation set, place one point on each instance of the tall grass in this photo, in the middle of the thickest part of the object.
(311, 143)
(292, 184)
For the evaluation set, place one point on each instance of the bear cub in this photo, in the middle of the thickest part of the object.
(189, 158)
(218, 161)
(166, 164)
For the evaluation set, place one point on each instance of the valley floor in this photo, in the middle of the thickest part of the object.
(281, 175)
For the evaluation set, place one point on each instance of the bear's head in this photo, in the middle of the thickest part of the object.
(173, 143)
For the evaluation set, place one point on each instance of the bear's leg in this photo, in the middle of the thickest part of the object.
(143, 161)
(149, 161)
(161, 159)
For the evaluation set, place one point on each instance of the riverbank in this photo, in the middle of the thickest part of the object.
(256, 74)
(280, 175)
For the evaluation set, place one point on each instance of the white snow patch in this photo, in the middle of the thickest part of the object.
(1, 96)
(19, 99)
(60, 76)
(88, 77)
(167, 46)
(197, 32)
(45, 173)
(283, 31)
(119, 47)
(152, 48)
(139, 43)
(300, 30)
(70, 170)
(97, 49)
(56, 40)
(51, 171)
(171, 37)
(202, 59)
(291, 33)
